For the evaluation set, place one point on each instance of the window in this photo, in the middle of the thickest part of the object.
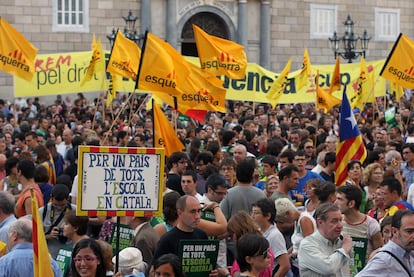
(387, 24)
(71, 16)
(322, 21)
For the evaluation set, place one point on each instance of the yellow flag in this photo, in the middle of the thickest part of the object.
(17, 54)
(115, 85)
(305, 71)
(163, 69)
(220, 56)
(124, 59)
(97, 63)
(279, 85)
(41, 259)
(397, 89)
(365, 87)
(336, 77)
(399, 66)
(201, 91)
(324, 100)
(164, 134)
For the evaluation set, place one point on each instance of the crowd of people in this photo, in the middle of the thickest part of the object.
(260, 181)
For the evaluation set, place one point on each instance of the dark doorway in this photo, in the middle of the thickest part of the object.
(210, 23)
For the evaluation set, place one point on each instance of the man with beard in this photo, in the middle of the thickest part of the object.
(396, 258)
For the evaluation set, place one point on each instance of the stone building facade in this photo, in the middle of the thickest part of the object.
(271, 30)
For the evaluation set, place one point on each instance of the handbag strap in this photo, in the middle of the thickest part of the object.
(398, 260)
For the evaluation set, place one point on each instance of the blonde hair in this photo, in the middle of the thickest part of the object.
(242, 223)
(366, 174)
(284, 205)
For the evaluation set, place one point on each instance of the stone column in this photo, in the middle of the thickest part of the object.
(145, 16)
(171, 33)
(242, 23)
(265, 34)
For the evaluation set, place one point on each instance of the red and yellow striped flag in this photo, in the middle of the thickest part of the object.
(351, 145)
(41, 258)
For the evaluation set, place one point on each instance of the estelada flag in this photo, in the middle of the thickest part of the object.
(336, 77)
(162, 68)
(164, 134)
(97, 62)
(351, 145)
(305, 72)
(17, 54)
(220, 56)
(41, 259)
(399, 66)
(124, 59)
(324, 100)
(279, 85)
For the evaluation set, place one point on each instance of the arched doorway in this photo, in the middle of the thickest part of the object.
(209, 22)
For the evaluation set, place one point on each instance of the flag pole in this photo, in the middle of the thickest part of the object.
(118, 230)
(144, 44)
(153, 122)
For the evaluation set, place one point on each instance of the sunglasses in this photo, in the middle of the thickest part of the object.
(265, 254)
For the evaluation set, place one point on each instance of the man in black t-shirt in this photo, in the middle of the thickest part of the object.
(189, 214)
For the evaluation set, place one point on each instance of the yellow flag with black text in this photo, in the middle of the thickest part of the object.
(17, 53)
(97, 63)
(220, 56)
(164, 134)
(365, 87)
(336, 77)
(399, 66)
(163, 69)
(125, 56)
(305, 72)
(324, 100)
(278, 86)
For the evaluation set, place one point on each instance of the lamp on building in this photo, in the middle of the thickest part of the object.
(129, 30)
(349, 49)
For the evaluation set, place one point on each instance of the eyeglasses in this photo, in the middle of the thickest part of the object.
(87, 259)
(264, 254)
(220, 192)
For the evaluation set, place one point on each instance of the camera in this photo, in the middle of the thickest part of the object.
(61, 237)
(60, 232)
